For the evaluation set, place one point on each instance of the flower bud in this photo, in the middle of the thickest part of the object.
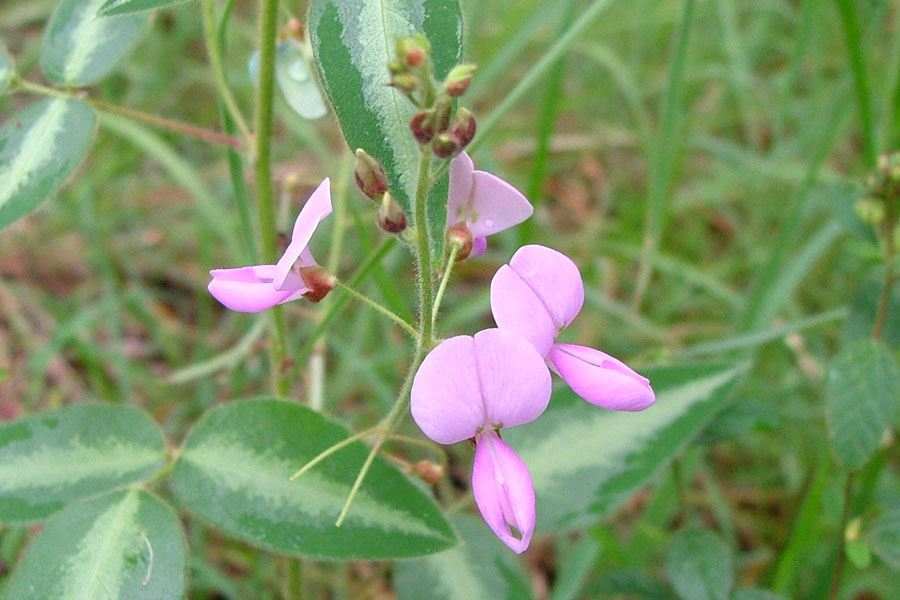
(294, 29)
(459, 235)
(429, 472)
(319, 281)
(445, 146)
(422, 126)
(391, 217)
(405, 82)
(458, 79)
(464, 128)
(369, 175)
(413, 50)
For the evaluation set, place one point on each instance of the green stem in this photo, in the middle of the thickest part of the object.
(838, 571)
(887, 289)
(215, 59)
(265, 194)
(439, 298)
(426, 307)
(381, 309)
(332, 449)
(856, 55)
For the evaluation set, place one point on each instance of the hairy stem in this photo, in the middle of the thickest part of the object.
(265, 195)
(439, 298)
(215, 59)
(380, 309)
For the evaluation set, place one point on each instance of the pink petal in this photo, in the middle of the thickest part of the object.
(250, 289)
(517, 308)
(503, 491)
(554, 278)
(496, 204)
(446, 400)
(461, 181)
(514, 379)
(479, 246)
(601, 379)
(314, 211)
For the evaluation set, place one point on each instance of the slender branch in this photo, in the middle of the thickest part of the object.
(215, 59)
(265, 195)
(423, 247)
(890, 248)
(838, 571)
(188, 129)
(332, 449)
(404, 325)
(439, 298)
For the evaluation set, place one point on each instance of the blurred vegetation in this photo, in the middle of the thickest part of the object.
(734, 133)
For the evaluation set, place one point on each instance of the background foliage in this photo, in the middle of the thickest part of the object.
(700, 160)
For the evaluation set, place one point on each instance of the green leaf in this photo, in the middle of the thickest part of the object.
(574, 568)
(353, 41)
(586, 461)
(234, 472)
(39, 149)
(700, 565)
(7, 68)
(80, 48)
(756, 594)
(884, 538)
(480, 567)
(297, 84)
(53, 458)
(861, 400)
(121, 7)
(126, 544)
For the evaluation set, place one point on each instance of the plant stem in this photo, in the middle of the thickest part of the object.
(265, 195)
(856, 55)
(439, 298)
(332, 449)
(423, 248)
(887, 290)
(188, 129)
(381, 309)
(426, 307)
(838, 571)
(215, 59)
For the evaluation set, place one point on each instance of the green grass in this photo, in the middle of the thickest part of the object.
(699, 160)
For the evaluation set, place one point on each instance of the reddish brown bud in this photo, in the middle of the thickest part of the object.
(413, 50)
(458, 79)
(459, 235)
(294, 29)
(422, 126)
(369, 175)
(464, 128)
(319, 281)
(445, 146)
(429, 472)
(391, 217)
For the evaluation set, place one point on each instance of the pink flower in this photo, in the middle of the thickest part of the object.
(483, 202)
(471, 387)
(537, 295)
(260, 287)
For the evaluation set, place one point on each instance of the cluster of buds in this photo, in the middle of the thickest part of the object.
(438, 122)
(372, 181)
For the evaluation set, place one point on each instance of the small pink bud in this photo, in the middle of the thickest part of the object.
(422, 126)
(319, 281)
(413, 50)
(391, 217)
(464, 128)
(429, 472)
(458, 79)
(294, 29)
(460, 235)
(370, 177)
(445, 146)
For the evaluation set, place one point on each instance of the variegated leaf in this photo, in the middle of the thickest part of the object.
(7, 68)
(353, 42)
(585, 461)
(81, 47)
(700, 565)
(234, 472)
(39, 149)
(121, 7)
(480, 567)
(123, 545)
(53, 458)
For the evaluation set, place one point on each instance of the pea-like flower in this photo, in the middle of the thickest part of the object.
(471, 387)
(259, 287)
(483, 202)
(537, 295)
